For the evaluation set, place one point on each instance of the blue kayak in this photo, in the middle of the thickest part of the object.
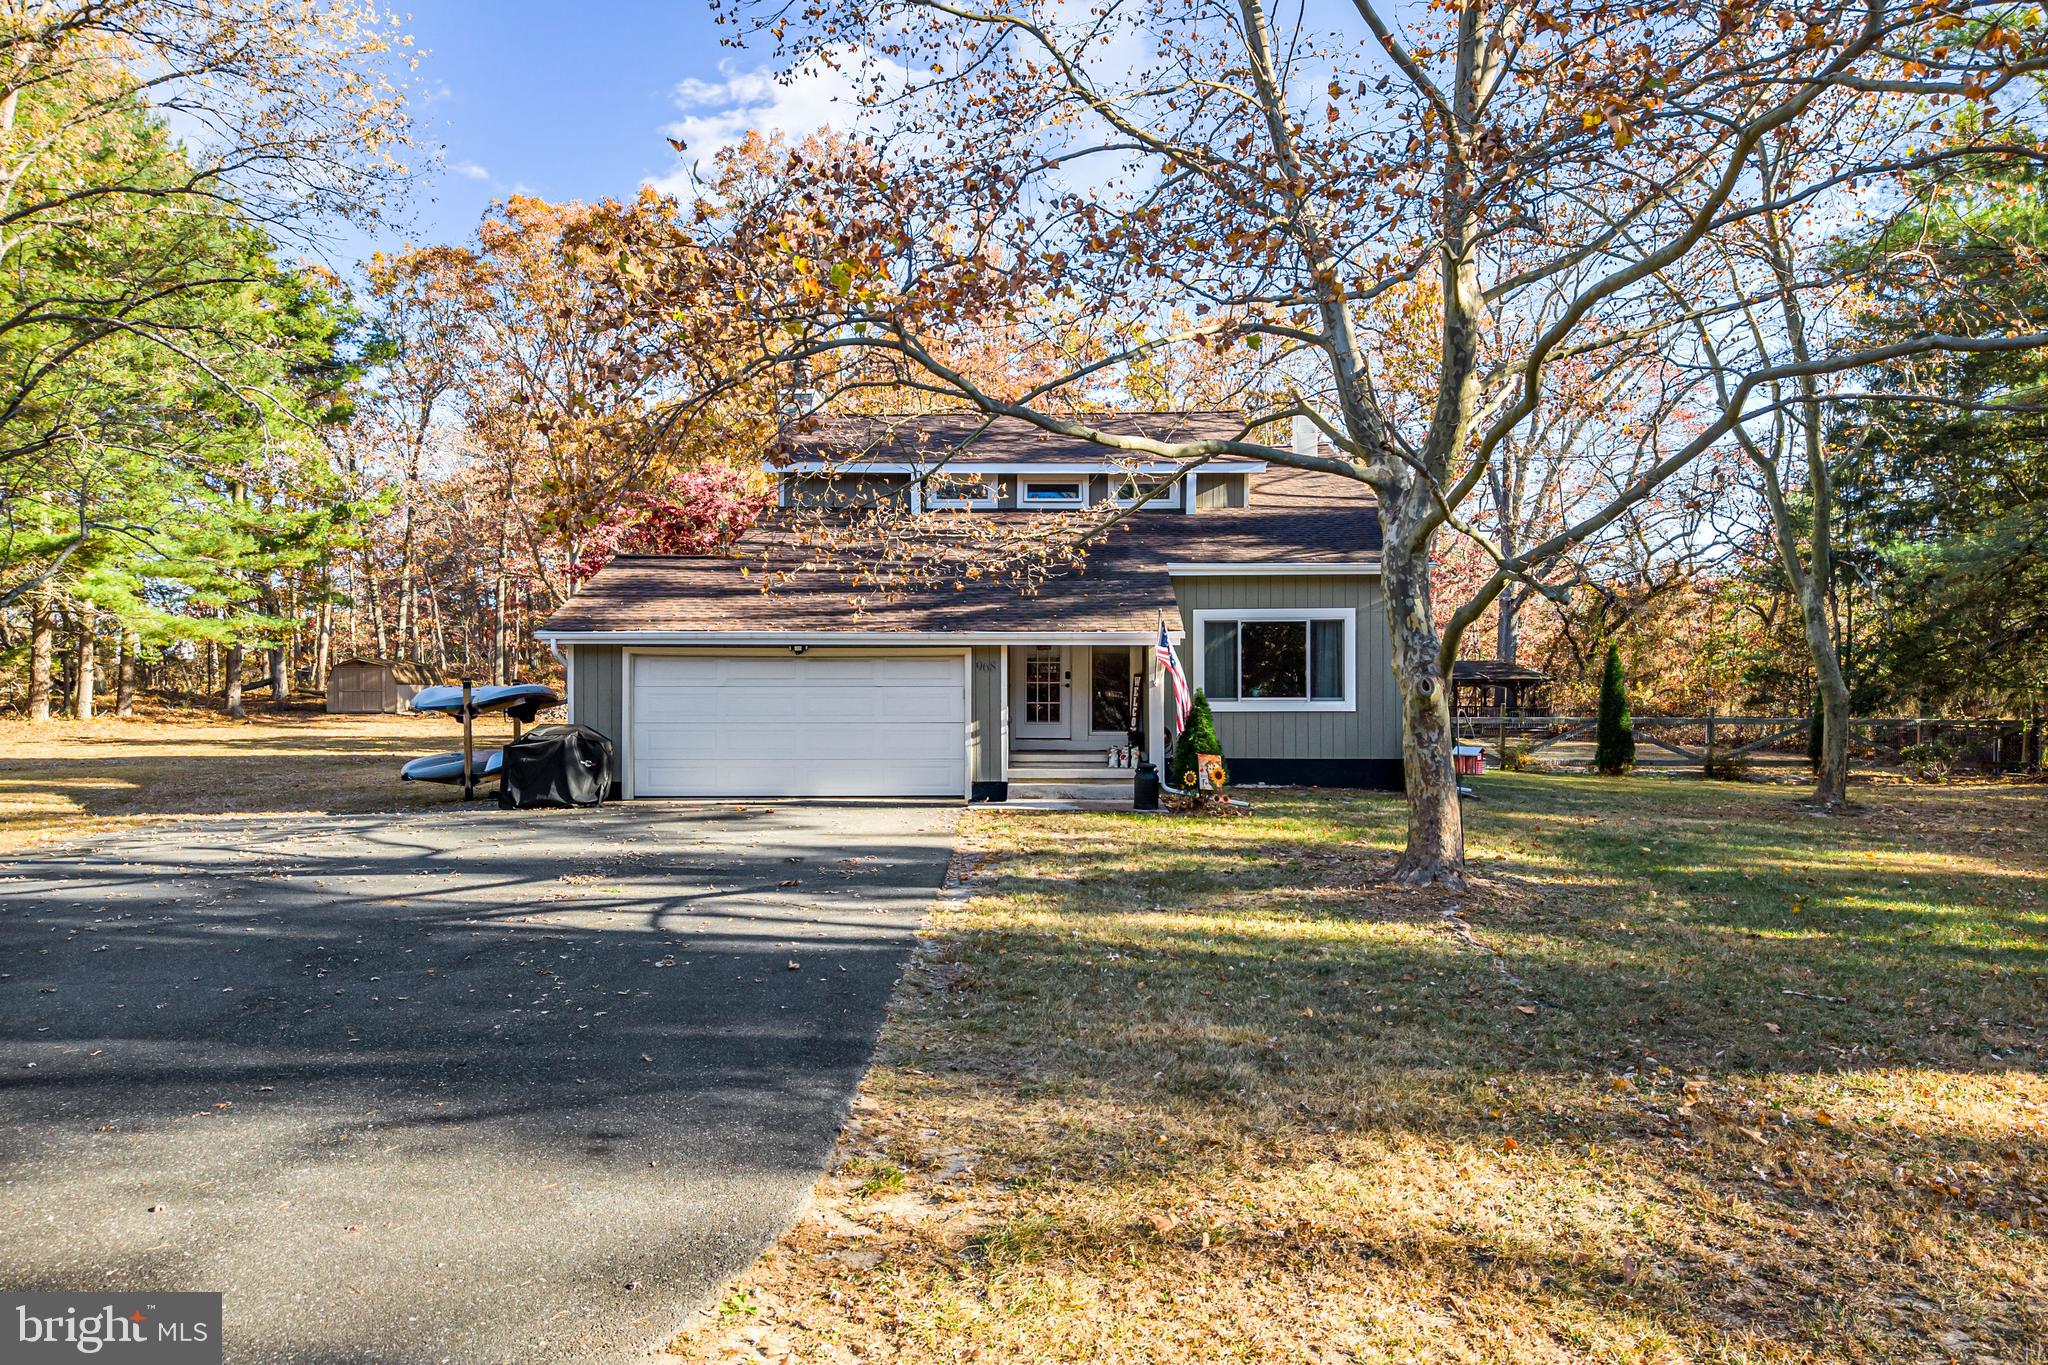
(522, 701)
(448, 767)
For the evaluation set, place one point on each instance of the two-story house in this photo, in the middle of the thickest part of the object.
(747, 675)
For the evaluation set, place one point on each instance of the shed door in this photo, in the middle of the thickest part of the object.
(357, 688)
(798, 725)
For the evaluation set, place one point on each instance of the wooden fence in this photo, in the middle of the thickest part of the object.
(1993, 745)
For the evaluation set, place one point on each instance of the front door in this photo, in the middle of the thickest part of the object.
(1043, 706)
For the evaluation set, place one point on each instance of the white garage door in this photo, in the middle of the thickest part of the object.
(798, 725)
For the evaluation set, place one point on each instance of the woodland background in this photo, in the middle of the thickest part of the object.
(223, 468)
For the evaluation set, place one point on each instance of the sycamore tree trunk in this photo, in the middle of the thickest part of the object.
(1811, 574)
(41, 635)
(85, 678)
(1831, 783)
(1435, 854)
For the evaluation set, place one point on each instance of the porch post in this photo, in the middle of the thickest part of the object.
(1155, 715)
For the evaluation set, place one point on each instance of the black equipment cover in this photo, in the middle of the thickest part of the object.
(557, 765)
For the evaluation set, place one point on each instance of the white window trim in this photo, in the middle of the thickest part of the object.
(1198, 640)
(1168, 501)
(1079, 485)
(993, 498)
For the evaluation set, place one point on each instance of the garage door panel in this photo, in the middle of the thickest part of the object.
(780, 705)
(867, 743)
(793, 777)
(798, 726)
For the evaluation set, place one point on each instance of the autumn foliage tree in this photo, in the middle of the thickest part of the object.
(697, 512)
(1178, 175)
(165, 373)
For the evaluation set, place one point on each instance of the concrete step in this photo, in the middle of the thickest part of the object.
(1034, 788)
(1065, 772)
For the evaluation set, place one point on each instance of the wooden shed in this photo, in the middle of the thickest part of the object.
(363, 685)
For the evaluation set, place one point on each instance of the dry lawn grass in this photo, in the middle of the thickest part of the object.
(70, 778)
(1692, 1075)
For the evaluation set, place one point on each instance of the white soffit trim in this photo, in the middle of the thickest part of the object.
(967, 464)
(856, 637)
(1292, 568)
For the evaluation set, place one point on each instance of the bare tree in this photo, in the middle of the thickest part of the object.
(1191, 173)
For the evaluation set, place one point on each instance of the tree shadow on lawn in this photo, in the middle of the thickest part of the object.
(87, 783)
(1720, 941)
(1570, 1120)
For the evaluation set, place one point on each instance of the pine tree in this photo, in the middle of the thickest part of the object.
(1614, 751)
(1198, 738)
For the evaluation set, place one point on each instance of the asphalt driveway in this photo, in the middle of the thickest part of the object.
(465, 1085)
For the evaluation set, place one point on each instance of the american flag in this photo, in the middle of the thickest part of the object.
(1170, 661)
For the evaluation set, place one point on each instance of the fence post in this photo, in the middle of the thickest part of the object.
(1709, 769)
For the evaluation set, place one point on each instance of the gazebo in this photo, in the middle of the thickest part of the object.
(1488, 687)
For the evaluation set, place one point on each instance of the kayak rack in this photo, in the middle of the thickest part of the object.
(522, 702)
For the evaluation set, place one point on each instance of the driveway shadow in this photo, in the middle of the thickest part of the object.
(462, 1084)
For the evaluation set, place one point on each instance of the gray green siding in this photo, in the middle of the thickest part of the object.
(594, 690)
(985, 716)
(1369, 732)
(1216, 491)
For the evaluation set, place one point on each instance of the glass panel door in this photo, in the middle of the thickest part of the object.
(1041, 687)
(1109, 692)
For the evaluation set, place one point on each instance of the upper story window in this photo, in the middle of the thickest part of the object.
(962, 490)
(1277, 660)
(1165, 492)
(1046, 491)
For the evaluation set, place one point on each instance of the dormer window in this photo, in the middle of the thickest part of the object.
(1163, 493)
(962, 490)
(1038, 491)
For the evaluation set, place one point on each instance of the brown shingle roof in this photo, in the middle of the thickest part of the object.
(971, 438)
(1294, 516)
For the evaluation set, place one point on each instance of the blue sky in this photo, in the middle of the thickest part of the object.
(572, 101)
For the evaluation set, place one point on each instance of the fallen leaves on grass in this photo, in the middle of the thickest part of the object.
(1323, 1130)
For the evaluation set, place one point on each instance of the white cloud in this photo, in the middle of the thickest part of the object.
(719, 114)
(469, 170)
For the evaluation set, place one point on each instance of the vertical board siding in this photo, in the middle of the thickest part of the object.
(985, 719)
(1370, 731)
(1216, 491)
(598, 675)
